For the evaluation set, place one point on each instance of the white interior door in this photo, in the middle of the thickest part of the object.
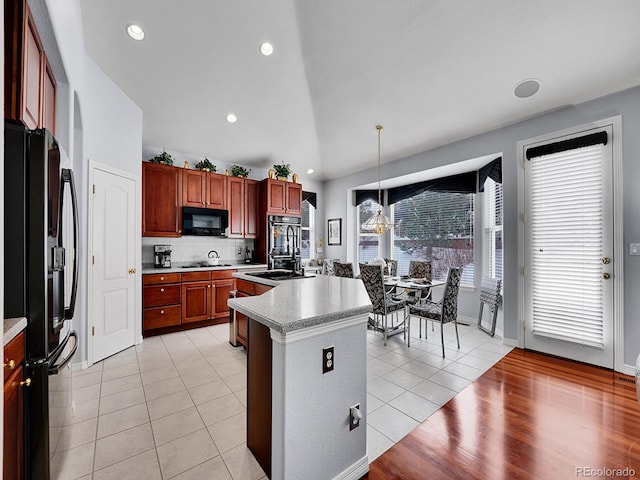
(569, 261)
(113, 264)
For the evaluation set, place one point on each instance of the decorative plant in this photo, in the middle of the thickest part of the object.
(239, 171)
(163, 158)
(206, 165)
(283, 170)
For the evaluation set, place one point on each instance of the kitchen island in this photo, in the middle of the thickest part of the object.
(298, 418)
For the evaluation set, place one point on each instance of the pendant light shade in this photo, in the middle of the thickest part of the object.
(379, 223)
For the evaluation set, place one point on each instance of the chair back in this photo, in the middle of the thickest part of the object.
(450, 296)
(392, 267)
(373, 280)
(327, 267)
(419, 269)
(343, 269)
(490, 292)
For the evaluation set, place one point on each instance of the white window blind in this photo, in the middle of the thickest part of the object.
(368, 243)
(308, 230)
(566, 215)
(493, 229)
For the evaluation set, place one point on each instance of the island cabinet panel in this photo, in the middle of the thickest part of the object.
(245, 288)
(259, 417)
(161, 200)
(13, 452)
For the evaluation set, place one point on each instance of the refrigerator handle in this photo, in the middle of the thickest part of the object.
(54, 368)
(67, 177)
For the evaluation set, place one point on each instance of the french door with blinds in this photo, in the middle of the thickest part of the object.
(569, 247)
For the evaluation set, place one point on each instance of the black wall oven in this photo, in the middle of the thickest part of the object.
(41, 257)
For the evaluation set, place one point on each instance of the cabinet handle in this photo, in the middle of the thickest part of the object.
(209, 286)
(162, 289)
(26, 383)
(11, 364)
(161, 312)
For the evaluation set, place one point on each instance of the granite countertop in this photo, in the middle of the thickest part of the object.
(12, 327)
(304, 302)
(177, 267)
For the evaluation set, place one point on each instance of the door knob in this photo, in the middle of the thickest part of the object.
(26, 383)
(132, 271)
(606, 276)
(606, 260)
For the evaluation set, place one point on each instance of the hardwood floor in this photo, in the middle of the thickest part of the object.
(531, 416)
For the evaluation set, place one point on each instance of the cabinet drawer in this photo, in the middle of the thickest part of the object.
(245, 287)
(196, 276)
(158, 295)
(220, 274)
(14, 351)
(158, 317)
(160, 278)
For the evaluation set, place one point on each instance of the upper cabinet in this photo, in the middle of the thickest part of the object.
(161, 200)
(204, 189)
(243, 207)
(30, 87)
(282, 198)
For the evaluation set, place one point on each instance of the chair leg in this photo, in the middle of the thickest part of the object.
(441, 336)
(455, 323)
(407, 319)
(420, 327)
(384, 327)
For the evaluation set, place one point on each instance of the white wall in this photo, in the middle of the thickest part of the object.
(625, 103)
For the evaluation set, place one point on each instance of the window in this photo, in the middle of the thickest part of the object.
(307, 250)
(438, 227)
(368, 245)
(493, 229)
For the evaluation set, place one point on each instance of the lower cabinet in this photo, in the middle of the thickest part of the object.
(175, 301)
(14, 384)
(246, 289)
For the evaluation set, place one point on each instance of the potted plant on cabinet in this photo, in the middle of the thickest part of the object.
(206, 165)
(282, 171)
(162, 158)
(239, 171)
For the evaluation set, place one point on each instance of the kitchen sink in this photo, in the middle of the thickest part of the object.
(278, 275)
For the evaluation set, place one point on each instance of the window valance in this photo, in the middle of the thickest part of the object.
(310, 197)
(571, 144)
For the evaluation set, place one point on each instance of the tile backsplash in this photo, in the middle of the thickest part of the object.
(195, 249)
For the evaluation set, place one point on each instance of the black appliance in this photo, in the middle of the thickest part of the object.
(40, 254)
(204, 221)
(284, 242)
(162, 256)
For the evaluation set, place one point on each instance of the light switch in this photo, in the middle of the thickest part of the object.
(634, 249)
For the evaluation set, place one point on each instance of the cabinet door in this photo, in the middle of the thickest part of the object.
(294, 199)
(221, 289)
(236, 206)
(196, 301)
(194, 188)
(31, 101)
(49, 99)
(13, 426)
(161, 200)
(251, 199)
(216, 191)
(276, 195)
(242, 322)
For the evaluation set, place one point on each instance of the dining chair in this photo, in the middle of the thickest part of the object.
(490, 296)
(419, 269)
(383, 305)
(343, 269)
(327, 267)
(444, 311)
(392, 267)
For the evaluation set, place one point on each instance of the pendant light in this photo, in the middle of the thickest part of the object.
(379, 223)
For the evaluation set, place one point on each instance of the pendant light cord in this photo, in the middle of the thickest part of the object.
(379, 128)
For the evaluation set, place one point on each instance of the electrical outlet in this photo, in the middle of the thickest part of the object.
(239, 250)
(328, 359)
(354, 416)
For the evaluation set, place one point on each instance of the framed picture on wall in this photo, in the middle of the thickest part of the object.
(334, 235)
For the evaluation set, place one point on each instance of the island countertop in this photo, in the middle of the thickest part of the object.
(305, 302)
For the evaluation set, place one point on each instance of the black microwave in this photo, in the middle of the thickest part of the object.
(204, 221)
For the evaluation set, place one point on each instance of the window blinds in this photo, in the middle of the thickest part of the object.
(566, 208)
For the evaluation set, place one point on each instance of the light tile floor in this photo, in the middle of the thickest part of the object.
(174, 406)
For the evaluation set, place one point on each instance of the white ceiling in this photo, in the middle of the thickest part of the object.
(430, 71)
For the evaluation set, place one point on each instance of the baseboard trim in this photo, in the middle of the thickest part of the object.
(76, 367)
(629, 370)
(509, 342)
(355, 471)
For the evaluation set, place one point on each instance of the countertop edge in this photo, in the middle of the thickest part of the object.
(12, 327)
(241, 266)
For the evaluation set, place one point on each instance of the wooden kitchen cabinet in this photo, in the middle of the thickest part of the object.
(242, 202)
(245, 288)
(161, 200)
(30, 87)
(13, 452)
(282, 198)
(161, 301)
(204, 189)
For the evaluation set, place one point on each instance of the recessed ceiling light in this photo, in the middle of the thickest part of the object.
(135, 31)
(266, 49)
(231, 118)
(527, 88)
(310, 171)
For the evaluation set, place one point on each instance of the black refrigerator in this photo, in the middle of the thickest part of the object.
(41, 272)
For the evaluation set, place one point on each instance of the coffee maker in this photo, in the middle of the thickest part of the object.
(162, 256)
